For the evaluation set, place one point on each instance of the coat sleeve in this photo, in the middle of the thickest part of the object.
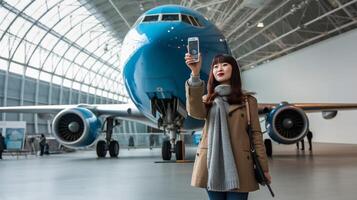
(257, 133)
(194, 101)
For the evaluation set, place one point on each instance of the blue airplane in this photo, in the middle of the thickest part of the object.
(154, 72)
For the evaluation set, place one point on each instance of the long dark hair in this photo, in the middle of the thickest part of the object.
(236, 95)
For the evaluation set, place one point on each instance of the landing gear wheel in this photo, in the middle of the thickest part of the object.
(101, 149)
(268, 147)
(180, 150)
(166, 150)
(114, 149)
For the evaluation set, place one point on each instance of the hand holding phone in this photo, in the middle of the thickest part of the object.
(192, 57)
(193, 48)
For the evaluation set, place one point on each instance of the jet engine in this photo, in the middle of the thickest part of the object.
(76, 127)
(287, 124)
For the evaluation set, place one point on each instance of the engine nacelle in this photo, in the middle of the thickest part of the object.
(287, 124)
(76, 127)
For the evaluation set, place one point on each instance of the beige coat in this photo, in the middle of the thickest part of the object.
(237, 122)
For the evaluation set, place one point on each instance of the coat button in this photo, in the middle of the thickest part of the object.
(242, 115)
(197, 154)
(248, 157)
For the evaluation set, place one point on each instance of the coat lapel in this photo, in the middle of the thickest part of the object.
(234, 107)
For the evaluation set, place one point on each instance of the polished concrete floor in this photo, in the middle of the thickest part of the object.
(329, 173)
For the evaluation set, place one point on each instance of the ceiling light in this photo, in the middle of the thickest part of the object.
(260, 25)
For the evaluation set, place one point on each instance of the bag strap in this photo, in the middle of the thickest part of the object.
(252, 148)
(249, 125)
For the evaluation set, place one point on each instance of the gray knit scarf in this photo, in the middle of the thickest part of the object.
(222, 171)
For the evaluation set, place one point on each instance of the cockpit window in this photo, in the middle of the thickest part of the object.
(185, 19)
(194, 22)
(188, 19)
(151, 18)
(170, 17)
(197, 21)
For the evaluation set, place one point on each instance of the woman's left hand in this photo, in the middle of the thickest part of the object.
(267, 176)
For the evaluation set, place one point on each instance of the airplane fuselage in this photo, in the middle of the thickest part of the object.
(154, 65)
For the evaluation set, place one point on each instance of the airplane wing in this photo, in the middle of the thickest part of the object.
(287, 123)
(121, 111)
(265, 108)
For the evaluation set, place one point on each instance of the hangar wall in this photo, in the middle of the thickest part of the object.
(14, 99)
(324, 72)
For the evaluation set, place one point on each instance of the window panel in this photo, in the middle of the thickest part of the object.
(59, 70)
(75, 68)
(55, 61)
(49, 41)
(63, 26)
(20, 53)
(43, 55)
(68, 7)
(65, 64)
(99, 92)
(106, 56)
(92, 46)
(34, 73)
(151, 18)
(92, 90)
(71, 53)
(51, 17)
(29, 49)
(7, 19)
(35, 35)
(81, 74)
(3, 64)
(16, 68)
(97, 66)
(81, 58)
(170, 17)
(57, 80)
(85, 88)
(67, 83)
(4, 44)
(90, 61)
(194, 22)
(185, 19)
(37, 8)
(13, 43)
(76, 85)
(105, 93)
(47, 66)
(35, 60)
(45, 76)
(87, 77)
(61, 48)
(85, 29)
(20, 4)
(74, 33)
(19, 27)
(70, 74)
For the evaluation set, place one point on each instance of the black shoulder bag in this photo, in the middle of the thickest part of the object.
(258, 171)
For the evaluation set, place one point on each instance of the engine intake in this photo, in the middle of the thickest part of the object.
(76, 127)
(287, 124)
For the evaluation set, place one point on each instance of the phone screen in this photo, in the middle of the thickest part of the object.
(193, 48)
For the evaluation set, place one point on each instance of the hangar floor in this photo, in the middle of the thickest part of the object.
(329, 173)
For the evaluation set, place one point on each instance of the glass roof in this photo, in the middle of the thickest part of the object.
(61, 42)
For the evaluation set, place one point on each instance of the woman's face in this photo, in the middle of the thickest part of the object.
(222, 72)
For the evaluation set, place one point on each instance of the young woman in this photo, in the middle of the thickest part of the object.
(223, 163)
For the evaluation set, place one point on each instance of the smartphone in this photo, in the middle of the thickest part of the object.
(193, 47)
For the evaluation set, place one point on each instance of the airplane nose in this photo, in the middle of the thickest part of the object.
(155, 66)
(157, 32)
